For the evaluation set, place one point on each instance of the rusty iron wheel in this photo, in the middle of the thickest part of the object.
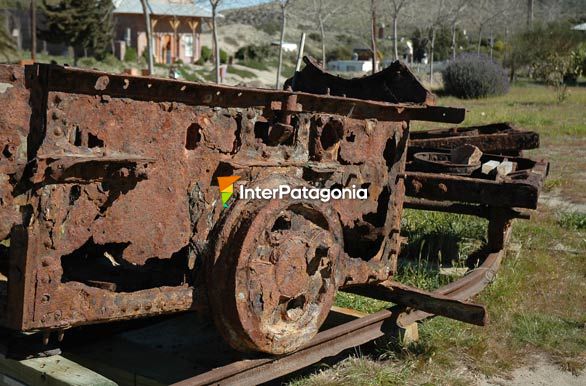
(274, 273)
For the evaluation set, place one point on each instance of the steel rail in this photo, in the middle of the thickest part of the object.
(345, 336)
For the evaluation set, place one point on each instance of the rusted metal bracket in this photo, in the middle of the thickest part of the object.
(496, 138)
(430, 302)
(76, 168)
(518, 190)
(394, 84)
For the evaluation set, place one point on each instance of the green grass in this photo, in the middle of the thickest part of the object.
(549, 332)
(532, 106)
(572, 220)
(256, 64)
(360, 371)
(360, 303)
(241, 72)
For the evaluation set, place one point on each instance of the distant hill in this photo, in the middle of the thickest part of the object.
(355, 18)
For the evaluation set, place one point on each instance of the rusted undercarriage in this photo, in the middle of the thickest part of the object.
(110, 205)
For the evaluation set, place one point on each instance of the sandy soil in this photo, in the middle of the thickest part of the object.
(233, 36)
(541, 373)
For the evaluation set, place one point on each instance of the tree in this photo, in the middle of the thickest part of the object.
(529, 14)
(147, 22)
(542, 46)
(214, 4)
(283, 4)
(323, 10)
(86, 25)
(454, 15)
(6, 42)
(396, 8)
(491, 12)
(435, 22)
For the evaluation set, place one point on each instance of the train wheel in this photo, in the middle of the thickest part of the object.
(273, 277)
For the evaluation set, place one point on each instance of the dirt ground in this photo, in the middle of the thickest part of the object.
(541, 373)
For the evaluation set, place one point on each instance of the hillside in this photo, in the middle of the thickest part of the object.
(354, 18)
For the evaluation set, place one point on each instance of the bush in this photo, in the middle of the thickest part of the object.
(534, 48)
(110, 60)
(271, 27)
(475, 76)
(89, 62)
(314, 36)
(206, 54)
(223, 56)
(339, 53)
(253, 52)
(130, 55)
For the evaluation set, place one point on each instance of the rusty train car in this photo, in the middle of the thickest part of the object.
(110, 207)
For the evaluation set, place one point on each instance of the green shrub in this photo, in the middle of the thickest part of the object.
(145, 56)
(130, 55)
(475, 76)
(253, 52)
(339, 53)
(89, 62)
(206, 54)
(223, 56)
(271, 27)
(110, 60)
(572, 220)
(315, 36)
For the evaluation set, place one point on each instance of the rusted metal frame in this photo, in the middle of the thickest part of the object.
(394, 84)
(482, 211)
(153, 89)
(498, 234)
(432, 303)
(510, 141)
(442, 187)
(57, 168)
(22, 271)
(21, 280)
(463, 289)
(26, 247)
(465, 131)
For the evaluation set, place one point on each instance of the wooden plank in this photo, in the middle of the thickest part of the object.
(51, 371)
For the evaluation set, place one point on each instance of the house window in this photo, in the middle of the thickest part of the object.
(187, 41)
